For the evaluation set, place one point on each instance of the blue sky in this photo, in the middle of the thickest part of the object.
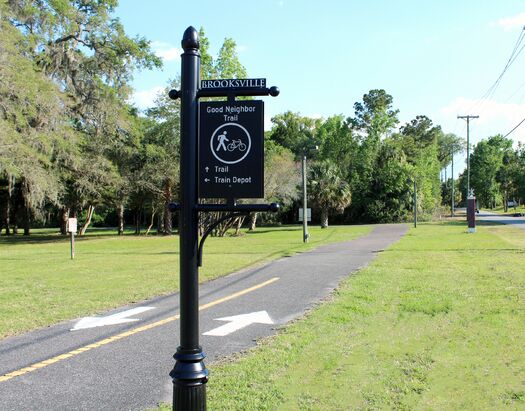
(436, 58)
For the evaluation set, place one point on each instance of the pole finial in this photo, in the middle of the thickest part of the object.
(190, 39)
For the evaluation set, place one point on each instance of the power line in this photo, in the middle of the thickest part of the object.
(510, 61)
(516, 51)
(519, 124)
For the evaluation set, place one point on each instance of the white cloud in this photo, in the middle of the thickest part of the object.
(494, 117)
(509, 23)
(144, 99)
(166, 51)
(488, 110)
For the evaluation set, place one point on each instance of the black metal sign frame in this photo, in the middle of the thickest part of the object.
(231, 149)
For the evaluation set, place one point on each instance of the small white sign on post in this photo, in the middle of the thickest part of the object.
(71, 225)
(308, 214)
(72, 230)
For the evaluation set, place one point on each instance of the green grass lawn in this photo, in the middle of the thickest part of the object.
(437, 322)
(40, 285)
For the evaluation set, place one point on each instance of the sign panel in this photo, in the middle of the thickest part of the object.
(231, 152)
(233, 83)
(72, 225)
(308, 214)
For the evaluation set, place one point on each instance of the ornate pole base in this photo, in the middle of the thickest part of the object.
(189, 381)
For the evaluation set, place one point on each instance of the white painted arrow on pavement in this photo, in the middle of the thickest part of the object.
(118, 318)
(237, 322)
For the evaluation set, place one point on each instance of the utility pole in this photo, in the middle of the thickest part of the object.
(468, 117)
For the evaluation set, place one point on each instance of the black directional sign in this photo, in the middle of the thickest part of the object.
(231, 160)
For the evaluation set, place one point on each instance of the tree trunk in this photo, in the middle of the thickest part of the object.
(14, 220)
(138, 218)
(153, 212)
(253, 221)
(5, 217)
(324, 218)
(27, 208)
(82, 231)
(6, 208)
(64, 215)
(168, 228)
(120, 215)
(160, 220)
(240, 220)
(27, 220)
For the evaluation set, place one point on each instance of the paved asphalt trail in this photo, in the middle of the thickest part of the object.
(126, 366)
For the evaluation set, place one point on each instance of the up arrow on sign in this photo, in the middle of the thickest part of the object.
(237, 322)
(119, 318)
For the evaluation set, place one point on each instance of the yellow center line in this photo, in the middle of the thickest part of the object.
(45, 363)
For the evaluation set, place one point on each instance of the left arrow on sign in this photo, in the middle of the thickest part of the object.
(237, 322)
(119, 318)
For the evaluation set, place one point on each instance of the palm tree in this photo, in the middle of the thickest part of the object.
(327, 190)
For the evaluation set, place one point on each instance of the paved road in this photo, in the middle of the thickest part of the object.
(126, 366)
(501, 219)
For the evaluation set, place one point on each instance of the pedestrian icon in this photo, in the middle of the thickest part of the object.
(230, 143)
(222, 138)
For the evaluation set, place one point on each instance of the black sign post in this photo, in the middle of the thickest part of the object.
(189, 374)
(231, 157)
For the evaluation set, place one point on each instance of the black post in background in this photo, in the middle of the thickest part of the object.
(305, 205)
(471, 212)
(189, 373)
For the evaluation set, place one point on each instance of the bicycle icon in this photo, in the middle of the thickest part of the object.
(236, 144)
(230, 143)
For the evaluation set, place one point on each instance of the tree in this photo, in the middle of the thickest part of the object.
(420, 140)
(87, 55)
(228, 64)
(337, 141)
(327, 189)
(281, 178)
(164, 130)
(485, 162)
(390, 198)
(449, 145)
(35, 135)
(374, 119)
(516, 172)
(294, 132)
(446, 192)
(161, 151)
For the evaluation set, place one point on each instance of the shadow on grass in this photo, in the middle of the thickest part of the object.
(49, 236)
(499, 223)
(272, 230)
